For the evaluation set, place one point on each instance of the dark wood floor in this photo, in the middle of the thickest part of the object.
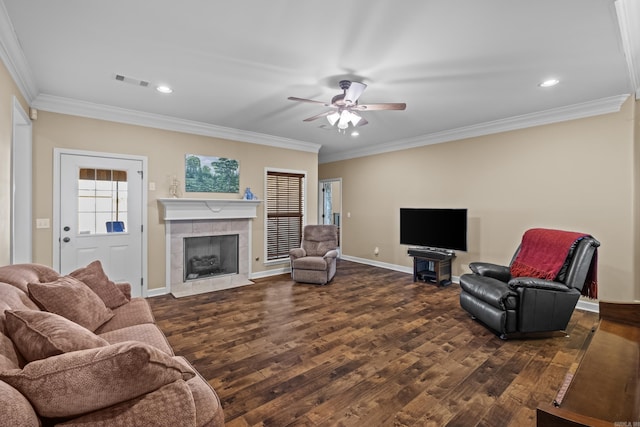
(370, 349)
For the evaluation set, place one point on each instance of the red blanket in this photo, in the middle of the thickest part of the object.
(543, 252)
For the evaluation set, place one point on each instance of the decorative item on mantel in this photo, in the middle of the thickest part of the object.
(248, 195)
(174, 188)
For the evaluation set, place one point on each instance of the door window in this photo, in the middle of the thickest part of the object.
(102, 201)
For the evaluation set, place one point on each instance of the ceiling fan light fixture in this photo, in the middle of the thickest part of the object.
(355, 119)
(345, 117)
(345, 107)
(333, 118)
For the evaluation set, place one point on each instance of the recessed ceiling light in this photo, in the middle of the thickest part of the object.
(164, 89)
(549, 83)
(355, 133)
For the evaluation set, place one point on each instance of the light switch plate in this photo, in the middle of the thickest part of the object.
(42, 223)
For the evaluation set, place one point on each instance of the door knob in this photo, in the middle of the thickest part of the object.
(66, 239)
(67, 228)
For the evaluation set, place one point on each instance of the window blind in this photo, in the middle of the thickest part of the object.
(285, 201)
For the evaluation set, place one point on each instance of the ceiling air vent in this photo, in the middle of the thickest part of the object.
(131, 80)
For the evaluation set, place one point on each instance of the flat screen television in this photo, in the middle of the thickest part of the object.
(434, 228)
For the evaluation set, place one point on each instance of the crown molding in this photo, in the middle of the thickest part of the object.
(571, 112)
(13, 57)
(56, 104)
(628, 13)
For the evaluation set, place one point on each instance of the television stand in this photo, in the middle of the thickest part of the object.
(431, 266)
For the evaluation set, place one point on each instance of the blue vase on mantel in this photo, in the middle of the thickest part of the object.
(248, 195)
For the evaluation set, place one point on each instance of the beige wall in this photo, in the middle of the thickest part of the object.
(576, 175)
(636, 193)
(165, 151)
(8, 91)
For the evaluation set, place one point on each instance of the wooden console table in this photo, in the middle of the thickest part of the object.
(431, 266)
(605, 389)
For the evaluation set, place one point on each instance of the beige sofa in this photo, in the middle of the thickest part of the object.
(78, 350)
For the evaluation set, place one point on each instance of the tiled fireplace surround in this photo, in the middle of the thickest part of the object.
(206, 217)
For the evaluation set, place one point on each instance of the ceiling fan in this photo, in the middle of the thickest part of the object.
(345, 108)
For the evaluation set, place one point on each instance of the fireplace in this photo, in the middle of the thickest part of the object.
(196, 230)
(208, 256)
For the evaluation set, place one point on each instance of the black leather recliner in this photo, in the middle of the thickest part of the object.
(523, 305)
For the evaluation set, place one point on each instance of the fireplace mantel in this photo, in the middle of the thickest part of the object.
(176, 209)
(185, 218)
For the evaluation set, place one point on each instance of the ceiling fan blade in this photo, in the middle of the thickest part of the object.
(293, 98)
(362, 122)
(354, 92)
(383, 106)
(317, 116)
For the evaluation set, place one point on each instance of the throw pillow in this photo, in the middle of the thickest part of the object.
(39, 334)
(82, 381)
(70, 298)
(95, 278)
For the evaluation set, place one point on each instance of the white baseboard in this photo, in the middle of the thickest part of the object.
(588, 306)
(156, 292)
(269, 273)
(386, 265)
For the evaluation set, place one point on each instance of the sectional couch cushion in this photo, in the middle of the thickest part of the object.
(136, 312)
(70, 298)
(147, 333)
(95, 278)
(12, 298)
(170, 405)
(88, 380)
(208, 407)
(39, 334)
(20, 275)
(16, 409)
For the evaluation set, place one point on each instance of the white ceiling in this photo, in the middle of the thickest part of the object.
(463, 67)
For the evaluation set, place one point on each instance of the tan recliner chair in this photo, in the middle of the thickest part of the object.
(315, 260)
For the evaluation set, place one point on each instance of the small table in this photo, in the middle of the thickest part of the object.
(431, 266)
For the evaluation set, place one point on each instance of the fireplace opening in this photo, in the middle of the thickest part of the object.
(210, 256)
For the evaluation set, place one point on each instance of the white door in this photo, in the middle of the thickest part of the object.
(101, 206)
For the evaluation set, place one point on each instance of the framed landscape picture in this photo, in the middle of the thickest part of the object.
(205, 174)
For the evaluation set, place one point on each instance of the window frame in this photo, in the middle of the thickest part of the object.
(267, 171)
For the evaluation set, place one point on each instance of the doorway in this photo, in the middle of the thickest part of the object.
(100, 214)
(21, 210)
(330, 204)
